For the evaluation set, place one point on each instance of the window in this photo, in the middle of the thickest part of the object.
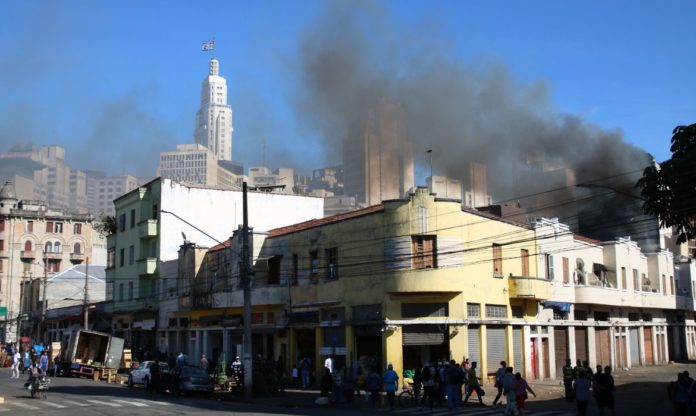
(110, 258)
(580, 315)
(524, 256)
(601, 316)
(29, 226)
(633, 316)
(132, 218)
(560, 315)
(566, 271)
(295, 269)
(28, 246)
(58, 228)
(122, 222)
(49, 226)
(2, 225)
(671, 285)
(624, 281)
(48, 247)
(54, 266)
(423, 249)
(423, 310)
(155, 211)
(331, 262)
(57, 248)
(77, 249)
(664, 285)
(120, 292)
(548, 261)
(130, 291)
(496, 311)
(517, 312)
(636, 281)
(497, 260)
(77, 229)
(122, 257)
(473, 310)
(2, 245)
(131, 255)
(313, 265)
(274, 270)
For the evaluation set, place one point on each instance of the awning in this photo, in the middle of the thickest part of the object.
(559, 306)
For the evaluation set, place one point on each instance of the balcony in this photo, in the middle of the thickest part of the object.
(27, 254)
(52, 255)
(77, 257)
(526, 287)
(600, 295)
(148, 229)
(147, 267)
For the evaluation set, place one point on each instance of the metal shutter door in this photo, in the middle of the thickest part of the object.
(581, 344)
(474, 344)
(517, 349)
(560, 339)
(635, 353)
(424, 334)
(496, 347)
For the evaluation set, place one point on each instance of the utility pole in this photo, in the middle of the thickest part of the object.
(246, 285)
(44, 307)
(85, 302)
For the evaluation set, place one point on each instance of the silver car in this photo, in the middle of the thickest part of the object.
(192, 379)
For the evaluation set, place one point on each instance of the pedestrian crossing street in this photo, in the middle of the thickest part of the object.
(13, 405)
(472, 411)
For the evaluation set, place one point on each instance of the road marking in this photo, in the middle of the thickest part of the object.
(70, 402)
(134, 403)
(24, 405)
(100, 402)
(153, 402)
(56, 405)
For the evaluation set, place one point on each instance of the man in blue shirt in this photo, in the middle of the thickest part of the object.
(391, 380)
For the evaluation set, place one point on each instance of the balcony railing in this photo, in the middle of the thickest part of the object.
(527, 287)
(148, 229)
(147, 267)
(27, 254)
(77, 257)
(52, 255)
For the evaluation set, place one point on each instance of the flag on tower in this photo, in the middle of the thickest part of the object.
(208, 46)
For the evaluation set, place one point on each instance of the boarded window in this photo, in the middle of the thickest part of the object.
(497, 259)
(624, 280)
(566, 270)
(331, 255)
(49, 227)
(423, 249)
(27, 246)
(422, 310)
(496, 311)
(473, 310)
(524, 257)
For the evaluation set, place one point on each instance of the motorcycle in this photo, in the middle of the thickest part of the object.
(39, 387)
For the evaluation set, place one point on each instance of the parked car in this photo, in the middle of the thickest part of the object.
(141, 375)
(188, 379)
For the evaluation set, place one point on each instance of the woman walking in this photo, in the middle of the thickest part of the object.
(521, 389)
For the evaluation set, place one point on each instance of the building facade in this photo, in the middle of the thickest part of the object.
(214, 118)
(152, 222)
(37, 241)
(195, 164)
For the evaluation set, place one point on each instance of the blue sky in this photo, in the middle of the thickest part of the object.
(115, 82)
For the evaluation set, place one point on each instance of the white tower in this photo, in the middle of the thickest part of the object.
(214, 119)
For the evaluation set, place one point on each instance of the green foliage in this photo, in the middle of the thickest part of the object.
(669, 189)
(106, 225)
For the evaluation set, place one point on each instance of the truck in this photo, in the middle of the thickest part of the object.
(92, 353)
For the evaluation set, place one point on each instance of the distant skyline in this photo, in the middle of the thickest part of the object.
(115, 83)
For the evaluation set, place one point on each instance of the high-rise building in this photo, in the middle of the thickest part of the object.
(214, 118)
(102, 190)
(378, 158)
(195, 164)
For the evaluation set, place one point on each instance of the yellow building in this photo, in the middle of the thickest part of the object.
(409, 282)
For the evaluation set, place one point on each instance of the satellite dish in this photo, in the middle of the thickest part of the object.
(183, 235)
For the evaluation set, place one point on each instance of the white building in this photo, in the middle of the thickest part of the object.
(195, 164)
(214, 118)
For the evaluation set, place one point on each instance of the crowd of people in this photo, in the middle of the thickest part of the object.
(682, 393)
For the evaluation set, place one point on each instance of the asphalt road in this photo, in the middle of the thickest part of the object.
(641, 391)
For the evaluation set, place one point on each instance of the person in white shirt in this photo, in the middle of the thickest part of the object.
(15, 364)
(328, 363)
